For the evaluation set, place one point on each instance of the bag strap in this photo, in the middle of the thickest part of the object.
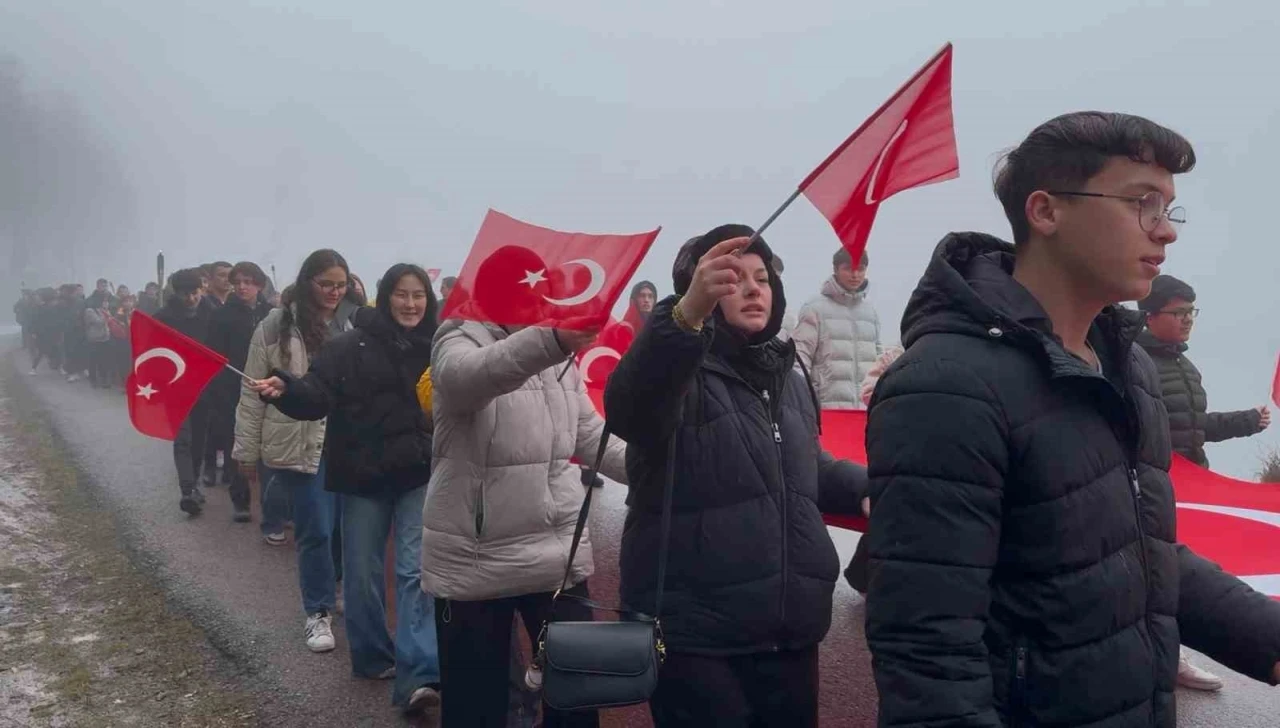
(588, 478)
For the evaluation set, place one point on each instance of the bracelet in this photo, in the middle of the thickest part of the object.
(677, 315)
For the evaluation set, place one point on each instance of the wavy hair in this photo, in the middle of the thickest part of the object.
(303, 311)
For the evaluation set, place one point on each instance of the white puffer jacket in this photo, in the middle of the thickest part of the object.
(838, 340)
(504, 498)
(262, 432)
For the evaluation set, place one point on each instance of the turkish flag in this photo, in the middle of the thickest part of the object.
(169, 373)
(519, 274)
(1234, 523)
(910, 141)
(597, 362)
(1275, 384)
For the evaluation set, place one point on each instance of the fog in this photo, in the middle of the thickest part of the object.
(263, 130)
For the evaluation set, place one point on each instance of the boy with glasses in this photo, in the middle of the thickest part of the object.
(1170, 314)
(1024, 566)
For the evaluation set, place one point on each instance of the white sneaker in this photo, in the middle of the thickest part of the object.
(1195, 678)
(423, 699)
(319, 633)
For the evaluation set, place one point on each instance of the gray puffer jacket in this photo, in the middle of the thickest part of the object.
(504, 498)
(838, 340)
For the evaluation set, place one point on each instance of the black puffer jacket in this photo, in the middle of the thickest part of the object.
(377, 439)
(1190, 424)
(230, 330)
(1024, 569)
(192, 323)
(751, 565)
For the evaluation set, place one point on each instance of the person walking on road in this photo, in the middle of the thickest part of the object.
(291, 450)
(378, 456)
(708, 395)
(183, 313)
(1024, 562)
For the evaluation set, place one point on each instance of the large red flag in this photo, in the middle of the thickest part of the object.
(1233, 523)
(169, 373)
(519, 274)
(910, 141)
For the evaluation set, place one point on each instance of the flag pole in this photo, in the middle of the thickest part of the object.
(776, 213)
(241, 374)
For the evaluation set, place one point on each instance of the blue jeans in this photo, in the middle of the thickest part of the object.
(366, 523)
(277, 495)
(315, 511)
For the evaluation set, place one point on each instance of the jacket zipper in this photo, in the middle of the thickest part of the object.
(777, 443)
(1017, 700)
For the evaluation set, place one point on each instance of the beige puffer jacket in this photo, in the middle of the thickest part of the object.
(262, 432)
(504, 498)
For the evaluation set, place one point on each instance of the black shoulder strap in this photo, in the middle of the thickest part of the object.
(588, 477)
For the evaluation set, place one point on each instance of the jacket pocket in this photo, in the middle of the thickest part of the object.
(479, 511)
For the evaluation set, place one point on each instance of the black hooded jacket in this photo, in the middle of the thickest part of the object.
(1024, 568)
(751, 565)
(377, 438)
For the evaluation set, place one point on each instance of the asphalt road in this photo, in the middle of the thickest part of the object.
(245, 594)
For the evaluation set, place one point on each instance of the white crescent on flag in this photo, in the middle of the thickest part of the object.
(592, 290)
(590, 358)
(180, 366)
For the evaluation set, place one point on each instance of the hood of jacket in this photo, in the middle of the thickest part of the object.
(968, 288)
(693, 250)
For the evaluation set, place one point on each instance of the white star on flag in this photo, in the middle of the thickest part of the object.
(533, 277)
(146, 391)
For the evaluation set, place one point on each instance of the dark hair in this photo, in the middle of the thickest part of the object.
(218, 264)
(103, 280)
(185, 280)
(303, 310)
(844, 257)
(250, 270)
(151, 286)
(778, 267)
(1164, 289)
(449, 281)
(358, 296)
(643, 286)
(387, 286)
(1066, 152)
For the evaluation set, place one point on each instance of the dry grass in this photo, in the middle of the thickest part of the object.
(1270, 472)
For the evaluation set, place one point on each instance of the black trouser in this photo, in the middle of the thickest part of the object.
(188, 447)
(747, 691)
(475, 657)
(100, 364)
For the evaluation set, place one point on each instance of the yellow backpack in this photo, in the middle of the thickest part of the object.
(424, 391)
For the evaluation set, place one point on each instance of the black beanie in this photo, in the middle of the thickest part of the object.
(1163, 290)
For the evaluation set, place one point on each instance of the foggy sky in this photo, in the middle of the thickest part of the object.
(263, 130)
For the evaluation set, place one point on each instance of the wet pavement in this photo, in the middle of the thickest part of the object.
(245, 594)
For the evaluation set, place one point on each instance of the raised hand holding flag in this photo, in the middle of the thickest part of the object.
(519, 274)
(169, 372)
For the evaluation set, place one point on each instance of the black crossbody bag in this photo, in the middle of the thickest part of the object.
(590, 665)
